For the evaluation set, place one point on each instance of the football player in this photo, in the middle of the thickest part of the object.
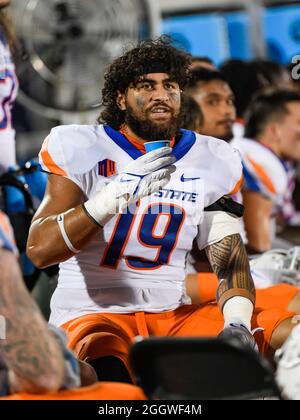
(121, 222)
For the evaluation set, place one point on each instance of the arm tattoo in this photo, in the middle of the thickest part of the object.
(229, 261)
(29, 349)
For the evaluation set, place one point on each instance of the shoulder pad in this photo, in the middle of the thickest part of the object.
(221, 168)
(71, 149)
(263, 170)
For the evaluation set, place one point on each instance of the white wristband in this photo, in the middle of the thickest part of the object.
(60, 220)
(105, 204)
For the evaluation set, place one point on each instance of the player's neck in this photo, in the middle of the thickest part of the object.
(137, 141)
(271, 144)
(126, 130)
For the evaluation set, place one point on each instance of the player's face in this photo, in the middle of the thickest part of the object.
(289, 133)
(216, 101)
(4, 3)
(153, 106)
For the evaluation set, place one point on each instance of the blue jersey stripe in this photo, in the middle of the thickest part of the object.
(184, 145)
(249, 180)
(122, 142)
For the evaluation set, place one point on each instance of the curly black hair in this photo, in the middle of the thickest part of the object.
(191, 115)
(129, 68)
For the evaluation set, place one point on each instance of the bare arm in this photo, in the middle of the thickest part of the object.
(229, 261)
(257, 218)
(31, 352)
(45, 244)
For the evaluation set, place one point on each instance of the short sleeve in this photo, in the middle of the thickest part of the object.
(264, 172)
(51, 156)
(224, 172)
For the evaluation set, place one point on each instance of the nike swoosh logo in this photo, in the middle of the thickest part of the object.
(126, 180)
(183, 179)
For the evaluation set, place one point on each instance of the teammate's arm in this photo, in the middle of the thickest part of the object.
(31, 353)
(257, 219)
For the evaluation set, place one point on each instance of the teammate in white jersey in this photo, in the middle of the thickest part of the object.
(271, 146)
(266, 156)
(8, 90)
(215, 100)
(123, 274)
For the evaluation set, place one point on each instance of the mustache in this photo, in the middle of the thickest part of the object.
(226, 120)
(160, 105)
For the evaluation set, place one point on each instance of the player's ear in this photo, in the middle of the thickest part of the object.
(274, 130)
(121, 102)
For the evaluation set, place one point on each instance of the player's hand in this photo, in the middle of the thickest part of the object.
(142, 177)
(147, 174)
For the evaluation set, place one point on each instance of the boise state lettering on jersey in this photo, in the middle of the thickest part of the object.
(177, 195)
(137, 261)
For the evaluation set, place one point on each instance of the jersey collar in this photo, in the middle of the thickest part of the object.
(183, 143)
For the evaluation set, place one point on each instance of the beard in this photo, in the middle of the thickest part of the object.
(151, 131)
(228, 136)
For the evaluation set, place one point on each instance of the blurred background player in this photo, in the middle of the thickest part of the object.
(18, 203)
(211, 91)
(202, 62)
(8, 88)
(268, 269)
(246, 79)
(269, 151)
(217, 104)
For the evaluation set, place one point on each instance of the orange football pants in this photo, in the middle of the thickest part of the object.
(105, 334)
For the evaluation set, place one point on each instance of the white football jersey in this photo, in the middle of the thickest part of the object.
(8, 93)
(264, 172)
(137, 262)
